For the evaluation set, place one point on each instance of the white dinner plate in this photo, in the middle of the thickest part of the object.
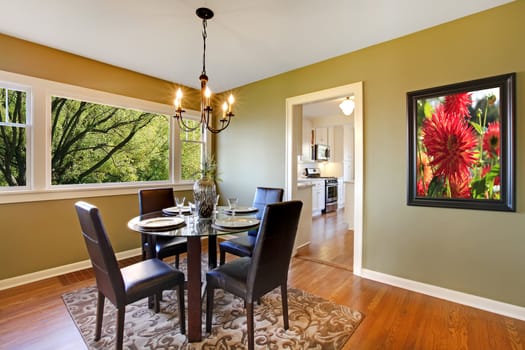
(175, 210)
(242, 210)
(160, 222)
(236, 222)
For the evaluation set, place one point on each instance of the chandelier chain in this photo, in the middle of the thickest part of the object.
(204, 36)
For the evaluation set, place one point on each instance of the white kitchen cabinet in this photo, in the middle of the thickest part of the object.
(340, 193)
(318, 197)
(321, 136)
(349, 208)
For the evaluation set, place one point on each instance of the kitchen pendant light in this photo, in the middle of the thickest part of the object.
(347, 106)
(206, 119)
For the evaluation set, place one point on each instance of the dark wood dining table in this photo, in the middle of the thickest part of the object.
(193, 230)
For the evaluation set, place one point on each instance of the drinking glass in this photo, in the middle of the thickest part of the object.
(191, 217)
(180, 203)
(215, 204)
(232, 203)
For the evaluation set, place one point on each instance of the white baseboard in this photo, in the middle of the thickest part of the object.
(60, 270)
(490, 305)
(296, 249)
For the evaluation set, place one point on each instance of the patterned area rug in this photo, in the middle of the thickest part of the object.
(315, 323)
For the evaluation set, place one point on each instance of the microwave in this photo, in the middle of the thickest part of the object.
(320, 152)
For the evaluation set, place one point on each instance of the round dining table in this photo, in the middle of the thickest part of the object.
(160, 223)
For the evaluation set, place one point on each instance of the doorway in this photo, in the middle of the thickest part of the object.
(294, 133)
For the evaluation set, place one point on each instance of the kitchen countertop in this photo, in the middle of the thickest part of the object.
(304, 184)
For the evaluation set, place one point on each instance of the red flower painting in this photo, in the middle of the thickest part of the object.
(458, 146)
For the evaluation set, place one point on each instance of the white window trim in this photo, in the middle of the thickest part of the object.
(39, 141)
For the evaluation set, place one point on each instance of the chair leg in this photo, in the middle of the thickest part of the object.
(210, 293)
(249, 323)
(176, 261)
(182, 310)
(284, 298)
(156, 301)
(121, 312)
(100, 315)
(222, 257)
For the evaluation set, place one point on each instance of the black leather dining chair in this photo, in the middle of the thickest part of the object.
(243, 245)
(155, 199)
(129, 284)
(252, 277)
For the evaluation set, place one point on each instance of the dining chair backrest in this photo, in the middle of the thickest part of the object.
(155, 199)
(273, 248)
(263, 197)
(107, 271)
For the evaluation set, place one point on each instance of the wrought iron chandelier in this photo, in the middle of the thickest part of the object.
(206, 120)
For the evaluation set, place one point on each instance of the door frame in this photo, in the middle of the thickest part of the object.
(293, 135)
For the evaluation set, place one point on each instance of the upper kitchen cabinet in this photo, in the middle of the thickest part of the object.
(321, 136)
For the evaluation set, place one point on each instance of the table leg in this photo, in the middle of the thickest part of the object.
(212, 252)
(151, 253)
(194, 290)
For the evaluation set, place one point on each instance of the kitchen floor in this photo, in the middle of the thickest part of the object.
(331, 243)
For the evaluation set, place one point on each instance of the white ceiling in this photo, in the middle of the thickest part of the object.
(247, 40)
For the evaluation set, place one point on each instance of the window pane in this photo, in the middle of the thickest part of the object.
(12, 156)
(12, 138)
(191, 155)
(2, 106)
(192, 151)
(17, 106)
(94, 143)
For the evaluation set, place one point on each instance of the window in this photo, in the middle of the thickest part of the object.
(61, 141)
(96, 143)
(14, 123)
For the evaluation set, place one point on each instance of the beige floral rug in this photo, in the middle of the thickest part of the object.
(315, 323)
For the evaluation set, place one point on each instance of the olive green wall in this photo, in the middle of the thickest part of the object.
(476, 252)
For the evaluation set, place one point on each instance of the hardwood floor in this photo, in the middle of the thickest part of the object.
(331, 243)
(33, 316)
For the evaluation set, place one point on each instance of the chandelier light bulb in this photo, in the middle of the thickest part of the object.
(178, 99)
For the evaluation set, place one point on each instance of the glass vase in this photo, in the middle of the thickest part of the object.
(204, 193)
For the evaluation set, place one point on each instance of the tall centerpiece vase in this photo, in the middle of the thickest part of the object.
(204, 193)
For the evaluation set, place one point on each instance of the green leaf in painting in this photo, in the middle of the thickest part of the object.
(477, 127)
(427, 108)
(436, 188)
(478, 188)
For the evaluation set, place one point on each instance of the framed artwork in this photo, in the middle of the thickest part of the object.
(461, 145)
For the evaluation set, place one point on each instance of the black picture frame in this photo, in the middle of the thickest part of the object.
(461, 145)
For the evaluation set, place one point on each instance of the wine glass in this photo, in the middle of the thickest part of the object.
(216, 204)
(180, 203)
(232, 203)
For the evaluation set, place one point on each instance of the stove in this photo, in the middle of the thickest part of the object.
(330, 183)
